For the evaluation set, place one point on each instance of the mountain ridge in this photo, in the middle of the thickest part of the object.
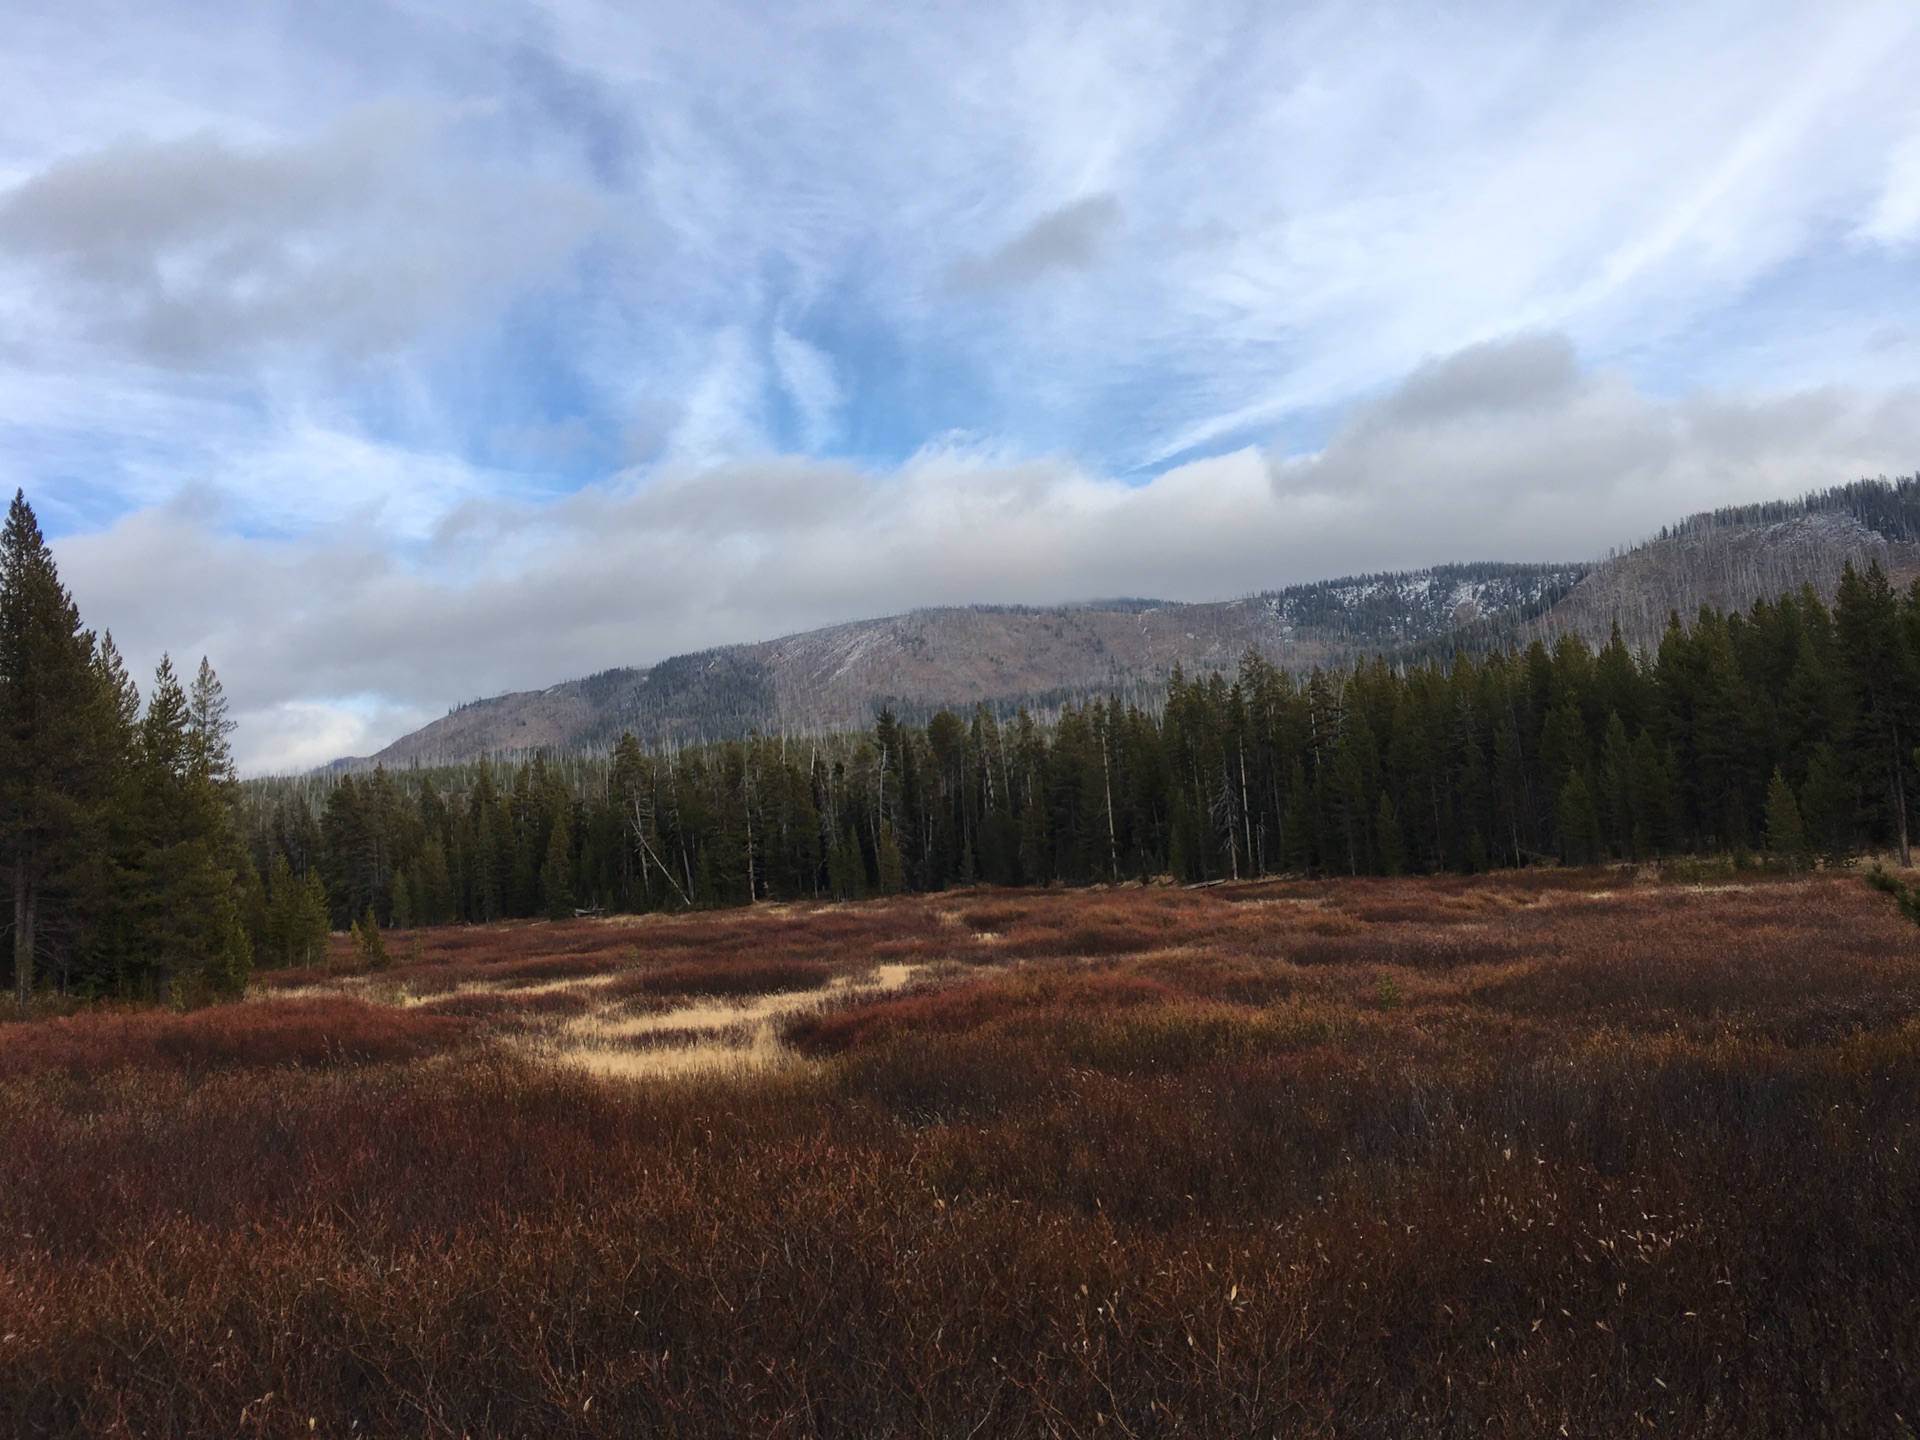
(837, 677)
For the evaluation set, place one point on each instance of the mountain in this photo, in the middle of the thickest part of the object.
(1004, 656)
(838, 678)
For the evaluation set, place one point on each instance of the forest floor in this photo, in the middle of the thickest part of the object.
(1550, 1152)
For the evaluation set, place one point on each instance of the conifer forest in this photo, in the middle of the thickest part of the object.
(116, 817)
(1787, 732)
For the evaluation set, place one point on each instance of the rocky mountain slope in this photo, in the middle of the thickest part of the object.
(839, 677)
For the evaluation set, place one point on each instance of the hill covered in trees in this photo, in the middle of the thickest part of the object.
(841, 677)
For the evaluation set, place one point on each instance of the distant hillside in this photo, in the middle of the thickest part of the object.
(839, 677)
(1730, 558)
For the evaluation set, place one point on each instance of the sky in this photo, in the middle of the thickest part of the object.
(395, 354)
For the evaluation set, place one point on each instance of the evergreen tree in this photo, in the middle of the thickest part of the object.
(403, 907)
(192, 935)
(281, 929)
(369, 946)
(1880, 673)
(556, 874)
(1388, 848)
(57, 752)
(314, 928)
(1786, 839)
(1827, 806)
(1615, 799)
(1655, 808)
(1580, 842)
(889, 864)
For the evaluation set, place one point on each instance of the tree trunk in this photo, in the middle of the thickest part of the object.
(1900, 802)
(1113, 838)
(23, 907)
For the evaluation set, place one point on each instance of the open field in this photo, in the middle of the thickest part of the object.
(1555, 1152)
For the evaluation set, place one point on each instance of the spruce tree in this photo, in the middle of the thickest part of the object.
(282, 932)
(1580, 842)
(556, 874)
(1786, 839)
(403, 902)
(1880, 672)
(889, 866)
(1656, 828)
(1828, 806)
(1389, 852)
(369, 946)
(315, 927)
(193, 935)
(58, 749)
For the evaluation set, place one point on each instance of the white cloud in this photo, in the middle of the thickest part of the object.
(201, 250)
(807, 372)
(298, 735)
(1895, 218)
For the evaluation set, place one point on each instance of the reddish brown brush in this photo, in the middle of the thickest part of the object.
(1515, 1158)
(506, 1005)
(316, 1031)
(724, 977)
(974, 1005)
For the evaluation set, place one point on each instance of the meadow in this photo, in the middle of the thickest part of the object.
(1555, 1152)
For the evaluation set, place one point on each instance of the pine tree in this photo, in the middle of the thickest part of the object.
(1880, 673)
(192, 933)
(1656, 829)
(1828, 808)
(282, 931)
(57, 751)
(315, 927)
(370, 947)
(1786, 839)
(556, 874)
(403, 903)
(1388, 850)
(1580, 842)
(1616, 787)
(888, 862)
(208, 724)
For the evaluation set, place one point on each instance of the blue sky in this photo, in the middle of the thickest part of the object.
(394, 353)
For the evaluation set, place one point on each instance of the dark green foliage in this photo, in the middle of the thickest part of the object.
(1580, 842)
(115, 827)
(62, 739)
(1904, 895)
(294, 927)
(1786, 836)
(369, 946)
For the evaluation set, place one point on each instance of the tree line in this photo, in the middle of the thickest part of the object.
(116, 819)
(1789, 729)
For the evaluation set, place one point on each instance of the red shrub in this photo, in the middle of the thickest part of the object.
(968, 1007)
(727, 977)
(499, 1005)
(318, 1031)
